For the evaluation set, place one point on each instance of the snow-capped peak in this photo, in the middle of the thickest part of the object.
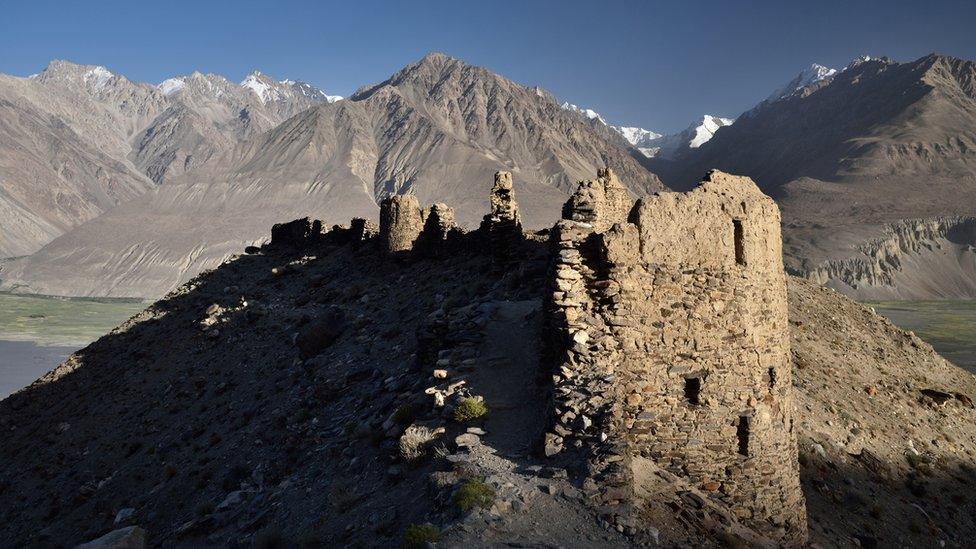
(810, 75)
(262, 86)
(860, 59)
(705, 129)
(588, 113)
(97, 77)
(171, 85)
(269, 90)
(638, 137)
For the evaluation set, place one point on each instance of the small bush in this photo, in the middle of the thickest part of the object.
(418, 534)
(474, 493)
(413, 444)
(470, 409)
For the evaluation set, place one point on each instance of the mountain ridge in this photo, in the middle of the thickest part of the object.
(877, 143)
(437, 128)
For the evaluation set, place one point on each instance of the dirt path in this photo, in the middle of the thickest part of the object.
(508, 380)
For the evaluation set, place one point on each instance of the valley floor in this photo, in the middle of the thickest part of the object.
(949, 326)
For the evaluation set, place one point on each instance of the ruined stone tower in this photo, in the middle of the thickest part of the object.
(676, 348)
(400, 222)
(502, 227)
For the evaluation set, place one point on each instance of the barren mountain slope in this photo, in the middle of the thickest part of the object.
(224, 430)
(878, 143)
(76, 140)
(439, 129)
(62, 150)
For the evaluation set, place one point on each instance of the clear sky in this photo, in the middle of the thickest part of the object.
(658, 65)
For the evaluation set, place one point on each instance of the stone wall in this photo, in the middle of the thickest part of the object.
(502, 227)
(676, 348)
(601, 202)
(401, 221)
(438, 229)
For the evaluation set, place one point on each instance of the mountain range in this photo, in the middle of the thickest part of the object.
(439, 128)
(77, 140)
(110, 187)
(874, 168)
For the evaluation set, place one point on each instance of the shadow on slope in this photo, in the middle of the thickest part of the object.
(201, 415)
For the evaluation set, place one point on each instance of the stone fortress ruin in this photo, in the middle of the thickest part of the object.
(668, 339)
(673, 311)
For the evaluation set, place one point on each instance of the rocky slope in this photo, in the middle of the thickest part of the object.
(437, 129)
(913, 257)
(875, 144)
(77, 140)
(283, 398)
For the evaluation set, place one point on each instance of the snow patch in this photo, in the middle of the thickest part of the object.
(331, 98)
(588, 113)
(808, 76)
(98, 77)
(707, 128)
(171, 86)
(637, 137)
(261, 87)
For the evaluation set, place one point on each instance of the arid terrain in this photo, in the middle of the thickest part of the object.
(231, 426)
(872, 166)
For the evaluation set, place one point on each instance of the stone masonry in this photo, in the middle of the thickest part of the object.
(669, 339)
(438, 228)
(401, 221)
(675, 343)
(502, 227)
(601, 202)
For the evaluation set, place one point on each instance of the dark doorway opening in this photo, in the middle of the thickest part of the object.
(693, 390)
(742, 432)
(740, 251)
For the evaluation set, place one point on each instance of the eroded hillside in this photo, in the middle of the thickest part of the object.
(267, 400)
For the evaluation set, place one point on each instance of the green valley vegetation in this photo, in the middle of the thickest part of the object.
(60, 321)
(949, 326)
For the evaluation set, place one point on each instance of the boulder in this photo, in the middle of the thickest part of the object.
(319, 334)
(130, 537)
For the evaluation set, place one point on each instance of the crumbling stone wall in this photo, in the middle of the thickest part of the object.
(601, 202)
(677, 349)
(502, 227)
(438, 228)
(401, 221)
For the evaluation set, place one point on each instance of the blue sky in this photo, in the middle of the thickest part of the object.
(654, 64)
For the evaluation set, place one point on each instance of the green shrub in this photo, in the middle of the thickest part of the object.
(474, 493)
(418, 534)
(470, 409)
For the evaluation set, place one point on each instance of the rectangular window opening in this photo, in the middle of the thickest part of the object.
(740, 252)
(693, 390)
(742, 433)
(772, 378)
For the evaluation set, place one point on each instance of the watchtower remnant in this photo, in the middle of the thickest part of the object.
(677, 320)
